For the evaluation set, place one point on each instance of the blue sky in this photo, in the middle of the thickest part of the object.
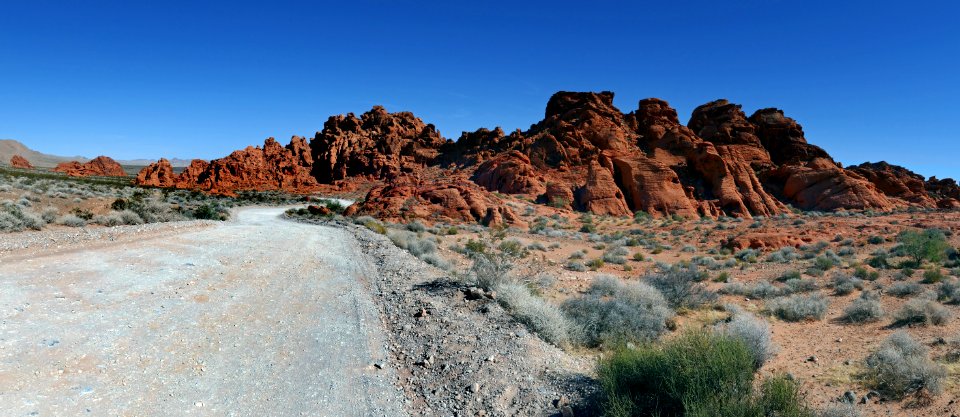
(868, 80)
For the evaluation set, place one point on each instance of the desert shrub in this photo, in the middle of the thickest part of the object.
(681, 287)
(789, 275)
(513, 248)
(864, 309)
(416, 227)
(412, 243)
(901, 367)
(929, 245)
(577, 255)
(824, 263)
(536, 246)
(71, 221)
(875, 240)
(753, 332)
(759, 290)
(697, 374)
(375, 226)
(538, 315)
(864, 274)
(933, 276)
(49, 214)
(211, 211)
(783, 255)
(616, 255)
(799, 307)
(844, 284)
(800, 285)
(595, 264)
(747, 255)
(614, 311)
(879, 260)
(576, 266)
(436, 260)
(15, 218)
(904, 289)
(949, 291)
(921, 310)
(840, 410)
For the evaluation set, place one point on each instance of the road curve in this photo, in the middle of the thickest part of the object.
(253, 317)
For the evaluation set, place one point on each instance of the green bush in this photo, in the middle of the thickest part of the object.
(929, 245)
(696, 374)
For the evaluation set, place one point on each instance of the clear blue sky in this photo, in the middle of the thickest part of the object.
(869, 80)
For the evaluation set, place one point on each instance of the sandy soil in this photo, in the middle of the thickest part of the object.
(254, 317)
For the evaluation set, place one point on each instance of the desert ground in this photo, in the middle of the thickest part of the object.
(279, 309)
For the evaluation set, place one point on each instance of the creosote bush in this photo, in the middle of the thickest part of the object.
(614, 311)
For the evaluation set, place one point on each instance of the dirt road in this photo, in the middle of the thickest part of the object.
(257, 316)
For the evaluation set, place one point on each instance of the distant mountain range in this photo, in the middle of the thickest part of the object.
(10, 147)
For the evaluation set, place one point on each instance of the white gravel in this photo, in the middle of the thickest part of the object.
(256, 317)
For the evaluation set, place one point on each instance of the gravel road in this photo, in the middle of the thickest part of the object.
(258, 316)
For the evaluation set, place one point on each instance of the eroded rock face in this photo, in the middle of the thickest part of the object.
(272, 167)
(821, 185)
(509, 173)
(100, 166)
(375, 145)
(157, 174)
(896, 181)
(407, 197)
(18, 161)
(584, 155)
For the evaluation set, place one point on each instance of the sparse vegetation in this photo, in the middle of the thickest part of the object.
(799, 307)
(864, 309)
(614, 311)
(901, 367)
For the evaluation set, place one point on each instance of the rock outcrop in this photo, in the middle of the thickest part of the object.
(101, 166)
(18, 161)
(272, 167)
(408, 197)
(896, 181)
(376, 145)
(584, 155)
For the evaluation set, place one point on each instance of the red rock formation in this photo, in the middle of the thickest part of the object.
(896, 181)
(806, 176)
(448, 199)
(765, 240)
(375, 145)
(821, 185)
(158, 174)
(18, 161)
(272, 167)
(585, 155)
(100, 166)
(511, 173)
